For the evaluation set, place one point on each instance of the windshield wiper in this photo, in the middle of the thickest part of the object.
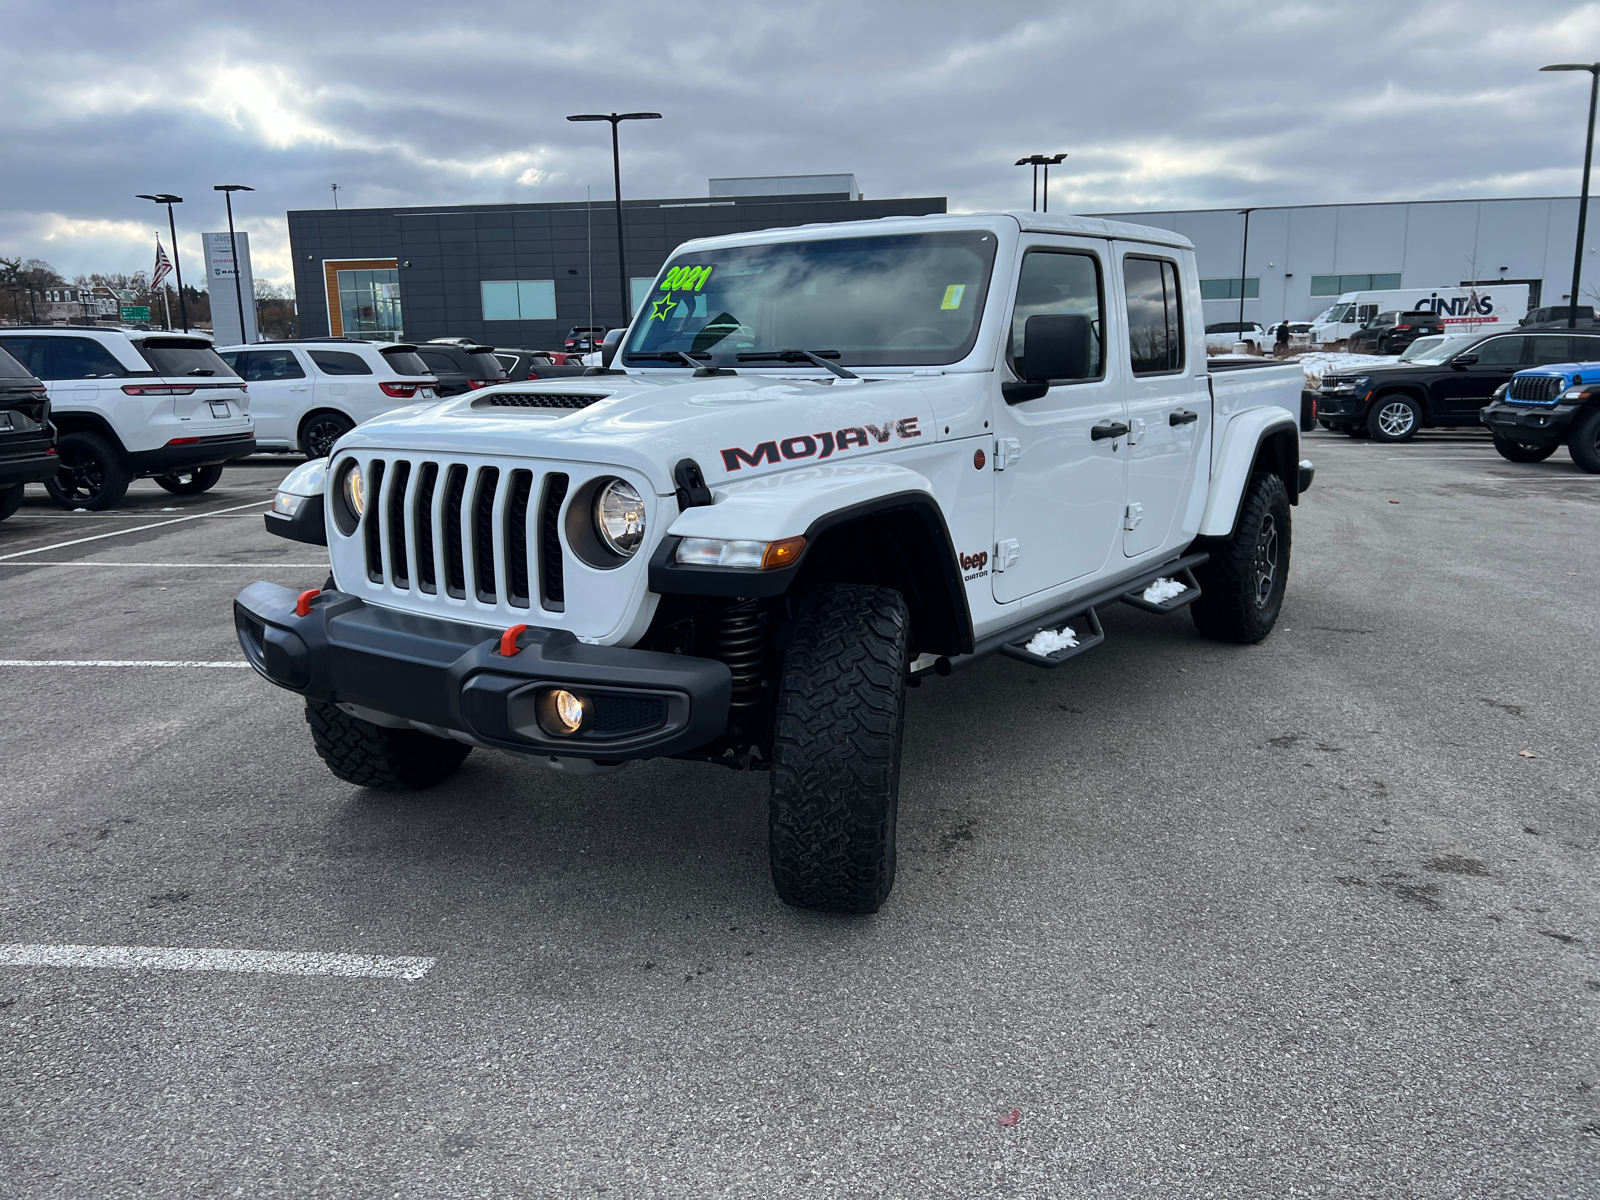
(684, 357)
(815, 357)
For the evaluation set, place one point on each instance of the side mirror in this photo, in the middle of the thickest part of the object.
(1058, 346)
(608, 347)
(1465, 359)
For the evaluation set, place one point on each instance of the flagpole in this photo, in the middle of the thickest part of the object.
(166, 303)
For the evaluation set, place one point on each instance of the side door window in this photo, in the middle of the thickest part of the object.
(267, 365)
(1500, 353)
(1585, 350)
(1549, 349)
(1058, 283)
(1155, 315)
(29, 351)
(80, 358)
(340, 362)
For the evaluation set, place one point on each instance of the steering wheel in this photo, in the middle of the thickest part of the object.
(934, 340)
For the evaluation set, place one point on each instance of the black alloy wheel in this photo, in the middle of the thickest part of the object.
(1584, 441)
(321, 431)
(91, 474)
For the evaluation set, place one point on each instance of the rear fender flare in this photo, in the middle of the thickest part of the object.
(1268, 432)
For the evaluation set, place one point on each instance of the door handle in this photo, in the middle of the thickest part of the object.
(1107, 429)
(1182, 417)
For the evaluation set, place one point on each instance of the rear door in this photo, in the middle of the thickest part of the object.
(337, 373)
(1058, 488)
(280, 393)
(1169, 398)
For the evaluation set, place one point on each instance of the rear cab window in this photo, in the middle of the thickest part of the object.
(339, 362)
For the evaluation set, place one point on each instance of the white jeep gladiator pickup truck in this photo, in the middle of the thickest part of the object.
(825, 463)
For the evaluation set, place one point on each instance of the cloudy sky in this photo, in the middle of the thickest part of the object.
(1160, 105)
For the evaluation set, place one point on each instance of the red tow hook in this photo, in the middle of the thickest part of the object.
(302, 606)
(508, 640)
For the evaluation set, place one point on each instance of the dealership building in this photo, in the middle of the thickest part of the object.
(1300, 258)
(523, 274)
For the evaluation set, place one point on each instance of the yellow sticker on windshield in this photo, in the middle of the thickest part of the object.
(952, 295)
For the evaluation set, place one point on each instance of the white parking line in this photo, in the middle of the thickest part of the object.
(321, 566)
(112, 662)
(269, 962)
(136, 529)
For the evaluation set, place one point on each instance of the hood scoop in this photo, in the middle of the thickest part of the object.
(541, 399)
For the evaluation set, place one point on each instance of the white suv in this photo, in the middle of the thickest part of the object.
(131, 404)
(306, 395)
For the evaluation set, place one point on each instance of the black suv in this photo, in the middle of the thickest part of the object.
(1448, 386)
(584, 339)
(1558, 317)
(1392, 332)
(27, 438)
(461, 368)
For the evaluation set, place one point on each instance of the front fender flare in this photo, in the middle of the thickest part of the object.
(1240, 443)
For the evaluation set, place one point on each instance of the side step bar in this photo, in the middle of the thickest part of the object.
(1013, 642)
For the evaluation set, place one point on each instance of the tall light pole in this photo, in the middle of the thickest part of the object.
(334, 188)
(227, 190)
(1588, 157)
(1245, 213)
(177, 268)
(1036, 161)
(616, 172)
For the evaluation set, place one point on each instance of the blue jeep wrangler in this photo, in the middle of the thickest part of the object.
(1538, 409)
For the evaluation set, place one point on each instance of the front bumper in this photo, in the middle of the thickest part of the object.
(449, 678)
(1342, 409)
(1528, 423)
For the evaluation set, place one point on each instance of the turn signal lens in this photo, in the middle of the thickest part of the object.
(781, 554)
(562, 714)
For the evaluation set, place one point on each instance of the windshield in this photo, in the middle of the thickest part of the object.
(178, 356)
(1446, 348)
(908, 300)
(1338, 313)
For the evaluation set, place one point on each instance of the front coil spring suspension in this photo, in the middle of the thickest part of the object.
(742, 644)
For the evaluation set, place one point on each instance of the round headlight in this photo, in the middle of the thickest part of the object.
(619, 517)
(355, 491)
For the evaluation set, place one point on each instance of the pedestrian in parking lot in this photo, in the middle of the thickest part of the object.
(1283, 339)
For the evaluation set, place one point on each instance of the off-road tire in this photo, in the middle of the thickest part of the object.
(836, 749)
(1584, 442)
(91, 474)
(1386, 422)
(1524, 452)
(320, 430)
(190, 481)
(390, 760)
(10, 500)
(1236, 604)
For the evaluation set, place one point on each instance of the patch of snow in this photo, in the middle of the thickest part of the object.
(1321, 362)
(1048, 641)
(1164, 589)
(80, 510)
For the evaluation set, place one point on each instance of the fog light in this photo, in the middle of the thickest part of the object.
(563, 714)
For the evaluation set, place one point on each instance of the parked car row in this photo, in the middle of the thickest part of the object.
(1452, 382)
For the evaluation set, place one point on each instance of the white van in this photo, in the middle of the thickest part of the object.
(306, 395)
(1464, 309)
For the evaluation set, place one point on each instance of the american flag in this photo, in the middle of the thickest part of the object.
(163, 267)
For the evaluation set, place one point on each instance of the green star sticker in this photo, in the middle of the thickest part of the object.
(660, 308)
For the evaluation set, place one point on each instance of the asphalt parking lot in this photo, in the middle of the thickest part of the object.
(1313, 918)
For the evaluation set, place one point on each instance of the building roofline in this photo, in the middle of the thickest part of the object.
(1130, 212)
(429, 210)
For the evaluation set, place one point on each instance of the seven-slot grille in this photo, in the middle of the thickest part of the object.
(544, 399)
(432, 526)
(1535, 389)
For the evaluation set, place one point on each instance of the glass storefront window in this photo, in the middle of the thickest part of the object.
(369, 304)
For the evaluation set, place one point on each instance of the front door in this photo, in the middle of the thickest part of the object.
(1464, 390)
(1059, 487)
(1169, 400)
